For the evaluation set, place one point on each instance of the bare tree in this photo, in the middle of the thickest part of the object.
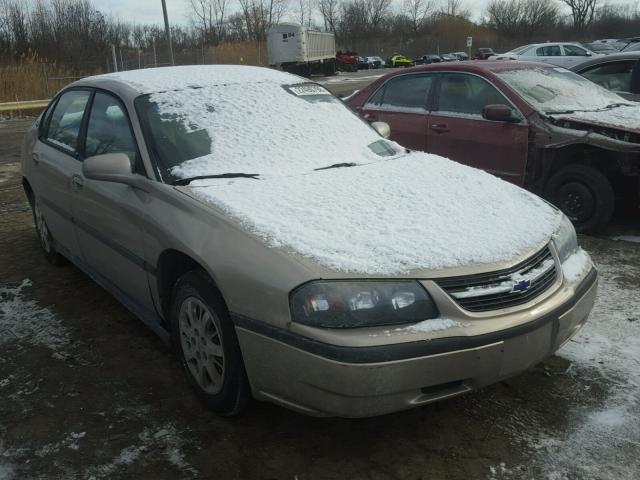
(209, 16)
(329, 9)
(522, 18)
(582, 12)
(454, 8)
(260, 15)
(418, 12)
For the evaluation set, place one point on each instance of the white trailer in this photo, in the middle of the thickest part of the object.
(301, 50)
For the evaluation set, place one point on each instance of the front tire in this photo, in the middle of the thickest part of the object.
(584, 194)
(47, 243)
(205, 341)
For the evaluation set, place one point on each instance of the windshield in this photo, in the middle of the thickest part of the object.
(632, 47)
(259, 128)
(519, 50)
(556, 90)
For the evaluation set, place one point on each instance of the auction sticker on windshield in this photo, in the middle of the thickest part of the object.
(305, 89)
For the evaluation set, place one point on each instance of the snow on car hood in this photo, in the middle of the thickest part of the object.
(624, 117)
(417, 212)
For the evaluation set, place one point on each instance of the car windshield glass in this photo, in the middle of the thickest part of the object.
(260, 128)
(555, 89)
(632, 47)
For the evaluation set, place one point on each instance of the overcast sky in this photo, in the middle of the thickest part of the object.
(150, 11)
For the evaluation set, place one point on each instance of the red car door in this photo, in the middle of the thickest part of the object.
(458, 130)
(402, 103)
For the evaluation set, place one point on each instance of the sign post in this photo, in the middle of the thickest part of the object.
(469, 44)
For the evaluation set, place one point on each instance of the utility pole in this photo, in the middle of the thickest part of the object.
(115, 59)
(155, 57)
(167, 30)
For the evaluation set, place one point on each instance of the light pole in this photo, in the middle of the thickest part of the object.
(167, 31)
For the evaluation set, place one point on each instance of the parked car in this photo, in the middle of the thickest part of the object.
(483, 53)
(601, 48)
(618, 72)
(541, 127)
(347, 61)
(460, 55)
(448, 57)
(561, 54)
(347, 278)
(375, 62)
(363, 64)
(632, 46)
(397, 60)
(427, 59)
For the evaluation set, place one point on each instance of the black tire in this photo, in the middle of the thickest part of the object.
(584, 194)
(47, 244)
(234, 391)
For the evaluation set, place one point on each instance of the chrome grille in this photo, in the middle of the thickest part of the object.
(504, 288)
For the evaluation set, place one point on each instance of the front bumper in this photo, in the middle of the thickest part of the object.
(321, 379)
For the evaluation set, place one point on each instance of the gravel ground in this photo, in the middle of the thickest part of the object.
(86, 391)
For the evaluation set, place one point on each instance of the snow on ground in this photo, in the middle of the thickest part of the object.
(389, 217)
(627, 238)
(23, 319)
(602, 433)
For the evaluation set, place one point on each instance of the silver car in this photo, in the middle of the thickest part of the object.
(561, 54)
(289, 251)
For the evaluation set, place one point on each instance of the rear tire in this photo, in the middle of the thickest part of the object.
(584, 194)
(205, 341)
(47, 244)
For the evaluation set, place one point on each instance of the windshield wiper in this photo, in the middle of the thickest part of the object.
(338, 165)
(187, 181)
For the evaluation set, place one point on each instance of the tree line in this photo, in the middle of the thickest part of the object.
(75, 32)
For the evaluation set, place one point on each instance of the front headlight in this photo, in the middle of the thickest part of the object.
(565, 239)
(348, 304)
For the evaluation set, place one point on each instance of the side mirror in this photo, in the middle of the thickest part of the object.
(498, 113)
(110, 167)
(383, 129)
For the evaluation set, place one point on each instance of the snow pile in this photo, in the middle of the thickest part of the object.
(557, 89)
(417, 212)
(24, 320)
(576, 265)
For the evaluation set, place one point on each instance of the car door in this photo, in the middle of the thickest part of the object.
(402, 103)
(573, 55)
(458, 130)
(621, 77)
(55, 166)
(550, 54)
(110, 217)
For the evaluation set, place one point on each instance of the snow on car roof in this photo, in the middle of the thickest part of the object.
(151, 80)
(419, 212)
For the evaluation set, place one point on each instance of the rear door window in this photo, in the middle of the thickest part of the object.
(404, 92)
(549, 51)
(64, 126)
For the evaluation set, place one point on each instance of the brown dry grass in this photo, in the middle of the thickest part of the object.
(246, 53)
(32, 79)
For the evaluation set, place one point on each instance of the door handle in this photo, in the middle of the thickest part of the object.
(35, 158)
(77, 182)
(439, 128)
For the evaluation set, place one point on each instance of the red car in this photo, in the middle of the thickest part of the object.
(347, 61)
(535, 125)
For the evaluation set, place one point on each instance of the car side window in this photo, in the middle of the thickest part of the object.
(64, 126)
(108, 130)
(466, 94)
(549, 51)
(574, 51)
(615, 76)
(407, 91)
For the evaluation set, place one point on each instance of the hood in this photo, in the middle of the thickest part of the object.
(413, 213)
(624, 118)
